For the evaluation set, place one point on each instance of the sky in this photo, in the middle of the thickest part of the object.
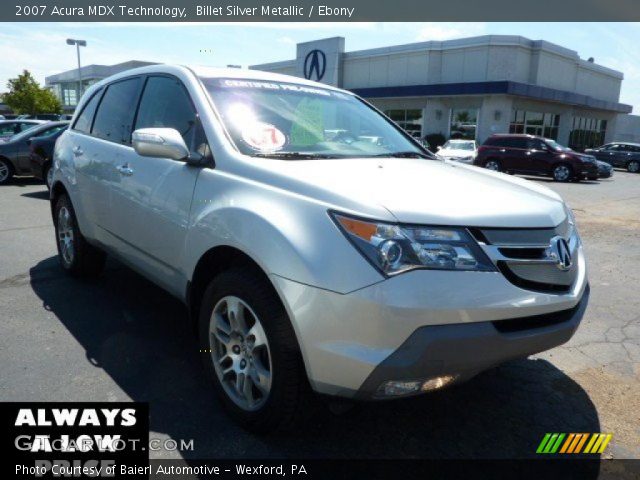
(41, 48)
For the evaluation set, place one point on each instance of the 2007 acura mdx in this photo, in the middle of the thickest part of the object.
(314, 242)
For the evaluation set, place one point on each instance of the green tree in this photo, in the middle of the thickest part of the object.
(26, 96)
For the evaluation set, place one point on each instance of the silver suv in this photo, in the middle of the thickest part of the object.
(317, 246)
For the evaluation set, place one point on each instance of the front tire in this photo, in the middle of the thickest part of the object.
(47, 175)
(6, 171)
(493, 165)
(633, 166)
(250, 351)
(77, 257)
(562, 173)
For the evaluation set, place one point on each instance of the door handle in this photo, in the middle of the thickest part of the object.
(77, 151)
(125, 170)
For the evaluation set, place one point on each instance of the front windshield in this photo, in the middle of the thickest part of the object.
(556, 146)
(451, 145)
(276, 119)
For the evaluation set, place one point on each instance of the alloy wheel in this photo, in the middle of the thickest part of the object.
(634, 167)
(561, 173)
(240, 353)
(66, 236)
(492, 165)
(4, 171)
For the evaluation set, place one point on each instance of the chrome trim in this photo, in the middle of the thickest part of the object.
(495, 255)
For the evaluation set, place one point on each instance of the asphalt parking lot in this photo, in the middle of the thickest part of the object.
(121, 338)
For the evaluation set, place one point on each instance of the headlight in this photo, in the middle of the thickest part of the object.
(395, 249)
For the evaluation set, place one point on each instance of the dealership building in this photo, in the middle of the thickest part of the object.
(464, 88)
(473, 87)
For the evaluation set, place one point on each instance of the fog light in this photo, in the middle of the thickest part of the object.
(398, 388)
(438, 382)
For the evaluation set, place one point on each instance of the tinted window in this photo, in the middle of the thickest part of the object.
(511, 142)
(115, 113)
(9, 129)
(83, 123)
(166, 104)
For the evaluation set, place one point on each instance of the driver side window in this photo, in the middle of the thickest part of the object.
(166, 104)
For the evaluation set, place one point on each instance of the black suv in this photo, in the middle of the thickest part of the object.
(619, 154)
(535, 155)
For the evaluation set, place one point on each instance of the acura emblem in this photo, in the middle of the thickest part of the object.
(315, 63)
(559, 250)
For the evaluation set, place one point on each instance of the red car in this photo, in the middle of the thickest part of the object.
(535, 155)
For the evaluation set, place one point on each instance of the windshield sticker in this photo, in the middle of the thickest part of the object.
(308, 128)
(286, 87)
(263, 136)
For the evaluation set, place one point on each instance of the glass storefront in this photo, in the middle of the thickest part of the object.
(587, 133)
(409, 120)
(535, 123)
(464, 123)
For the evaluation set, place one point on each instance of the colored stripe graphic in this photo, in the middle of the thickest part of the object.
(572, 443)
(582, 442)
(567, 442)
(543, 443)
(605, 442)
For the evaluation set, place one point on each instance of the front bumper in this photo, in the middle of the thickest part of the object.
(589, 170)
(421, 323)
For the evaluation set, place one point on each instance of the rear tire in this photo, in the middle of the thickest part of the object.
(242, 357)
(6, 171)
(562, 172)
(633, 166)
(77, 257)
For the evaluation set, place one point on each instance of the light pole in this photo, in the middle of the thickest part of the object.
(78, 44)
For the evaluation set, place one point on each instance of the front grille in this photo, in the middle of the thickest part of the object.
(523, 256)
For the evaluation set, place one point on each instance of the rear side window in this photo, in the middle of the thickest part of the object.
(509, 142)
(115, 113)
(166, 104)
(83, 123)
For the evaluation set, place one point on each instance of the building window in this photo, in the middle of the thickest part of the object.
(587, 133)
(69, 96)
(535, 123)
(464, 123)
(409, 120)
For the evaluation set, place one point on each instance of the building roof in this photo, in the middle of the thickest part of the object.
(93, 72)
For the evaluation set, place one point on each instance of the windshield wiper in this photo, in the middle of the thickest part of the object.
(407, 154)
(294, 155)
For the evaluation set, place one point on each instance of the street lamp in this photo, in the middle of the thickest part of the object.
(78, 44)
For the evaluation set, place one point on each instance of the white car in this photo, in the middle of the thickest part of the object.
(366, 270)
(463, 151)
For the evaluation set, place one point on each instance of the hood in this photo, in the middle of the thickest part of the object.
(421, 191)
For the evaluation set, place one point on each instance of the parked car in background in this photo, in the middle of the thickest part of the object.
(529, 154)
(619, 154)
(41, 154)
(42, 116)
(605, 170)
(14, 153)
(335, 264)
(8, 128)
(2, 117)
(459, 150)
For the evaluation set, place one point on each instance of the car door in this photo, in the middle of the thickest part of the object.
(515, 157)
(539, 156)
(22, 147)
(152, 199)
(611, 154)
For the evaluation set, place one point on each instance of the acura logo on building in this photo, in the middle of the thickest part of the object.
(559, 249)
(315, 63)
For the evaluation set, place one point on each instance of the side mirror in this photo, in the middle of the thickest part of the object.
(160, 142)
